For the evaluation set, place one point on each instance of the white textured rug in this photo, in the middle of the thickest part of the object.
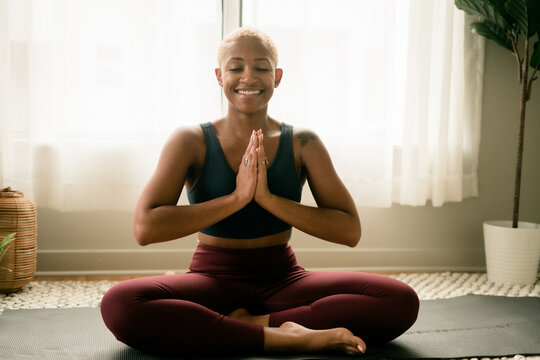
(66, 294)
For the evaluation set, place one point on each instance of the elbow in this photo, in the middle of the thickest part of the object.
(147, 230)
(352, 241)
(140, 235)
(352, 237)
(141, 232)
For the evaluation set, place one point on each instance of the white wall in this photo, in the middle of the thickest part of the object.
(400, 238)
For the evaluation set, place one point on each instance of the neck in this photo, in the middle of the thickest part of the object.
(241, 123)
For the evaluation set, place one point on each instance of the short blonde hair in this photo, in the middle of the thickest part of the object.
(247, 33)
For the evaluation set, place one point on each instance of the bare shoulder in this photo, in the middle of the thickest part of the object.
(302, 137)
(187, 136)
(185, 142)
(182, 151)
(307, 144)
(310, 150)
(178, 160)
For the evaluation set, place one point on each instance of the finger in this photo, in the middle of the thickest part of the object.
(260, 137)
(261, 159)
(261, 152)
(253, 158)
(251, 143)
(248, 154)
(258, 134)
(250, 159)
(256, 143)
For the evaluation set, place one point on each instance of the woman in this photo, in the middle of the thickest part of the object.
(244, 291)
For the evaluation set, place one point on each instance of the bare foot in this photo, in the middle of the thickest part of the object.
(292, 337)
(243, 314)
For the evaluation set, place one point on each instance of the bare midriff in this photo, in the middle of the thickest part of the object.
(260, 242)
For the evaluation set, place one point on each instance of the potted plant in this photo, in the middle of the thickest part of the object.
(512, 247)
(18, 264)
(4, 246)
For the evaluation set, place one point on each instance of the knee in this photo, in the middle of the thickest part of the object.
(117, 310)
(404, 310)
(410, 306)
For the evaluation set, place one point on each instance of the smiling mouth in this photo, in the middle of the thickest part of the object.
(248, 92)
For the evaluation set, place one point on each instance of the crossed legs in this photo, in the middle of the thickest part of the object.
(316, 311)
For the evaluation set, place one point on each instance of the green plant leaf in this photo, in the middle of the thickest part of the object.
(493, 32)
(7, 239)
(485, 10)
(526, 14)
(535, 56)
(4, 244)
(518, 10)
(501, 9)
(3, 252)
(533, 13)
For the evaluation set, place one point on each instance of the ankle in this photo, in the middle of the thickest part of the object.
(244, 315)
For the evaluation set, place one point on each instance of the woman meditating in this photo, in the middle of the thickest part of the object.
(244, 292)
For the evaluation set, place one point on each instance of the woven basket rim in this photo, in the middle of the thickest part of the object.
(8, 193)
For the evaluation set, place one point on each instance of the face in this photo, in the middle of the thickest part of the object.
(248, 76)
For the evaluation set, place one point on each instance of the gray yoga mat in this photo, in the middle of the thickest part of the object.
(466, 326)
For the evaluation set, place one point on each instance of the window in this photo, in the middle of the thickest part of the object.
(392, 86)
(93, 88)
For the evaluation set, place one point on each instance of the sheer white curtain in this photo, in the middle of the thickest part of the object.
(393, 87)
(90, 90)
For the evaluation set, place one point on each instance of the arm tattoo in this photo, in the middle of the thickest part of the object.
(305, 137)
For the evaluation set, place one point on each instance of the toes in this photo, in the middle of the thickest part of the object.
(361, 346)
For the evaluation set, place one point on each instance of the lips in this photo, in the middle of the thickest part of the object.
(248, 92)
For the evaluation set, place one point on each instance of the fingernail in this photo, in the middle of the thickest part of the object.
(362, 350)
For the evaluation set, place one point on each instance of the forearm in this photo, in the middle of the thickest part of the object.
(334, 225)
(168, 222)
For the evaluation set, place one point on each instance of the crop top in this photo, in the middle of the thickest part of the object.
(218, 179)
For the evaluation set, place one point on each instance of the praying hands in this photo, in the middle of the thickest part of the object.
(251, 181)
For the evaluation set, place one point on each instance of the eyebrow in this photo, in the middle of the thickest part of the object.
(241, 59)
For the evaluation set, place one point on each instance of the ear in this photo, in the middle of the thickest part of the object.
(218, 76)
(279, 75)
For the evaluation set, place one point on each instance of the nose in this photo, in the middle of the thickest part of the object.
(248, 76)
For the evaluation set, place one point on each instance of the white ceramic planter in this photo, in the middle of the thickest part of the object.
(512, 255)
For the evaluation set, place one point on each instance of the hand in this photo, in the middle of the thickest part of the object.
(261, 191)
(246, 180)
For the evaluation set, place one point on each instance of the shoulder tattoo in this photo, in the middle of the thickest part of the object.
(305, 137)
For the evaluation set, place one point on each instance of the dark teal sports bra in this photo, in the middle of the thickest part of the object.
(218, 179)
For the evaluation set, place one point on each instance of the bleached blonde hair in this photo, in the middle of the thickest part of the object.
(247, 33)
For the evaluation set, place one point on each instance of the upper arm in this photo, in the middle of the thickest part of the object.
(327, 188)
(177, 161)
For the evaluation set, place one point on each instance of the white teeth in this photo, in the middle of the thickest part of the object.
(249, 92)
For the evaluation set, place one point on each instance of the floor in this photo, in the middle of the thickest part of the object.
(82, 291)
(86, 278)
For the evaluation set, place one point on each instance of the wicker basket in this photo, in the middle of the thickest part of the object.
(17, 215)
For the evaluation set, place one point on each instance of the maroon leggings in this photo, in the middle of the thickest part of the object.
(187, 313)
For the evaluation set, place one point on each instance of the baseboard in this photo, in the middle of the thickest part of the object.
(156, 261)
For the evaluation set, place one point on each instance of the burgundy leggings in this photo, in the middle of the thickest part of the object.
(188, 312)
